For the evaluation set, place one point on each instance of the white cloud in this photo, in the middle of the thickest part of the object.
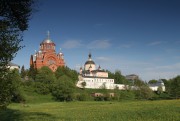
(69, 44)
(166, 67)
(102, 59)
(99, 44)
(155, 43)
(145, 70)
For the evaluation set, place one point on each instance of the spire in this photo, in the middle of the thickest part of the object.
(48, 34)
(99, 68)
(89, 55)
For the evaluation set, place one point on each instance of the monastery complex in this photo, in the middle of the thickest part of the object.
(93, 77)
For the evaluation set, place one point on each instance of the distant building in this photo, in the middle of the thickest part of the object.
(132, 77)
(156, 85)
(46, 56)
(95, 78)
(13, 66)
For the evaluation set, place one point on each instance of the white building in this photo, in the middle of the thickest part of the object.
(95, 78)
(155, 86)
(13, 66)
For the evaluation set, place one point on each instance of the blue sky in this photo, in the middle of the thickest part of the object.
(135, 36)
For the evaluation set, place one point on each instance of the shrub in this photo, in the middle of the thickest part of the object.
(63, 89)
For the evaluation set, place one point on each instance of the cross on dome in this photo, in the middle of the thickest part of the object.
(48, 34)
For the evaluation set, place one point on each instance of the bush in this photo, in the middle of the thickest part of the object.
(42, 88)
(82, 96)
(18, 96)
(124, 95)
(63, 89)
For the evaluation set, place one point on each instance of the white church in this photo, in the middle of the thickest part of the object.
(95, 78)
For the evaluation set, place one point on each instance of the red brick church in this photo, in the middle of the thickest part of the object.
(46, 56)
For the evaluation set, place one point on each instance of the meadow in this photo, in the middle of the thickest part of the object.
(163, 110)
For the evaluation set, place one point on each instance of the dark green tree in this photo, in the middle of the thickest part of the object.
(23, 72)
(44, 80)
(14, 17)
(152, 81)
(119, 78)
(63, 89)
(32, 72)
(83, 84)
(59, 72)
(175, 87)
(68, 72)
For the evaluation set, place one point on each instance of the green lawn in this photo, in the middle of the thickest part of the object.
(165, 110)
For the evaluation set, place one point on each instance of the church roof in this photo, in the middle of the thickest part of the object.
(89, 62)
(12, 64)
(47, 40)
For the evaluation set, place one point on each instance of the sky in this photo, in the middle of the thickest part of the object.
(134, 36)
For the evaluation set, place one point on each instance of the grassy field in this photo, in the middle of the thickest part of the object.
(164, 110)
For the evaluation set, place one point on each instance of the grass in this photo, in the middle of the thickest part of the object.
(164, 110)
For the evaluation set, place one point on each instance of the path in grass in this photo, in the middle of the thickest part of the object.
(166, 110)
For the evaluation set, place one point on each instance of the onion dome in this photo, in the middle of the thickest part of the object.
(89, 61)
(47, 40)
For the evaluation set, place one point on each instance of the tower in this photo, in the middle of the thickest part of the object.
(46, 56)
(89, 63)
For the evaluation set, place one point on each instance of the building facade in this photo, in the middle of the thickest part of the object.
(95, 78)
(13, 66)
(47, 56)
(158, 84)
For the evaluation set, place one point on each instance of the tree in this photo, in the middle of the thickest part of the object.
(17, 95)
(63, 89)
(175, 87)
(44, 80)
(68, 72)
(59, 72)
(152, 81)
(118, 77)
(83, 84)
(23, 72)
(32, 72)
(142, 90)
(14, 17)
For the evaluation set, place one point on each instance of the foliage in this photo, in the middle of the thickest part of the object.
(68, 72)
(32, 72)
(159, 90)
(11, 90)
(83, 84)
(23, 72)
(175, 87)
(83, 96)
(152, 81)
(118, 77)
(63, 89)
(142, 90)
(59, 72)
(17, 94)
(124, 95)
(14, 17)
(44, 80)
